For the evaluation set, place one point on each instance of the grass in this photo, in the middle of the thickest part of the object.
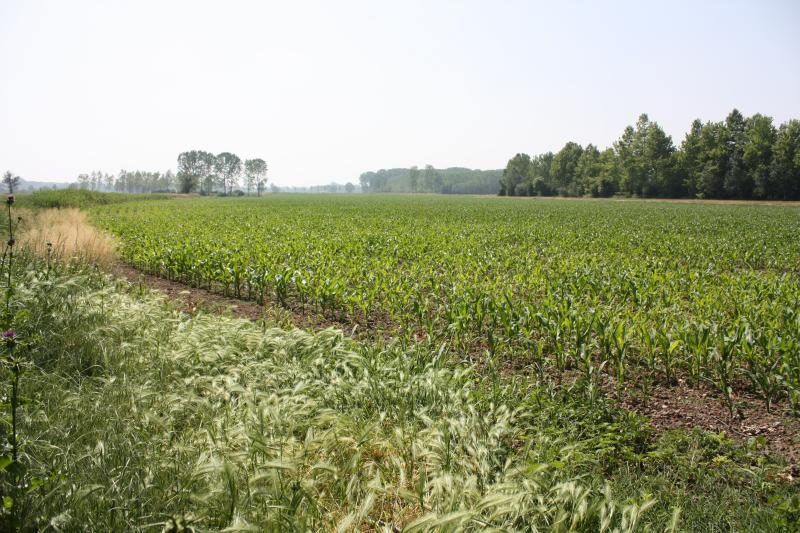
(133, 416)
(139, 417)
(66, 235)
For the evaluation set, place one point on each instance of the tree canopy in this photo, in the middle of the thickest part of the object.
(738, 158)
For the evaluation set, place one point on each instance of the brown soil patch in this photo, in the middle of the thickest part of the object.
(676, 407)
(684, 407)
(193, 300)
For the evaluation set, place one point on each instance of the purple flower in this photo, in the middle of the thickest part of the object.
(12, 242)
(10, 337)
(10, 199)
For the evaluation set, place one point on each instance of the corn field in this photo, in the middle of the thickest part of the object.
(640, 291)
(142, 418)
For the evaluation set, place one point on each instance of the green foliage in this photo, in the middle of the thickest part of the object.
(141, 417)
(632, 289)
(740, 158)
(78, 198)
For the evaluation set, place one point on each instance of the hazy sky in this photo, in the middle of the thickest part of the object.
(325, 90)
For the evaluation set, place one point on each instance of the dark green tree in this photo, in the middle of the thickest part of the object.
(786, 162)
(760, 136)
(564, 169)
(647, 160)
(589, 168)
(515, 175)
(738, 183)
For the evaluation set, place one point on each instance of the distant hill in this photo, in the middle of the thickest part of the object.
(453, 180)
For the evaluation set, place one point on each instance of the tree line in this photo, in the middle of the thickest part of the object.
(205, 172)
(137, 181)
(455, 180)
(198, 171)
(126, 181)
(738, 158)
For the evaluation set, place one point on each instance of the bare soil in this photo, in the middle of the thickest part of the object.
(685, 407)
(668, 407)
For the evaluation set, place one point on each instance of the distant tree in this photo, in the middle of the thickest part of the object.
(83, 181)
(539, 181)
(349, 187)
(192, 168)
(168, 181)
(413, 178)
(261, 181)
(255, 171)
(228, 167)
(564, 168)
(589, 168)
(786, 162)
(714, 160)
(206, 163)
(514, 176)
(760, 136)
(363, 179)
(378, 181)
(432, 180)
(11, 181)
(646, 156)
(274, 188)
(438, 181)
(690, 159)
(739, 158)
(606, 183)
(737, 183)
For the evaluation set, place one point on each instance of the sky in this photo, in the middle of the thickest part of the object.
(325, 90)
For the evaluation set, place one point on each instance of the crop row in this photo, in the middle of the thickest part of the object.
(707, 293)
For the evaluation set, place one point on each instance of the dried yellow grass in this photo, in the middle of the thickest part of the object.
(70, 234)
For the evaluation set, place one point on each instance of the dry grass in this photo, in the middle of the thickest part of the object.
(70, 234)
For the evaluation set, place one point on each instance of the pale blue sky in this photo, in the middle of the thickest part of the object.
(325, 90)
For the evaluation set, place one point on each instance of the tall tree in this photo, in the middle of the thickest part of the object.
(786, 162)
(228, 167)
(432, 181)
(539, 181)
(589, 168)
(207, 163)
(191, 170)
(413, 178)
(515, 174)
(714, 161)
(760, 136)
(83, 181)
(738, 183)
(11, 181)
(364, 180)
(564, 168)
(646, 156)
(607, 181)
(255, 171)
(691, 159)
